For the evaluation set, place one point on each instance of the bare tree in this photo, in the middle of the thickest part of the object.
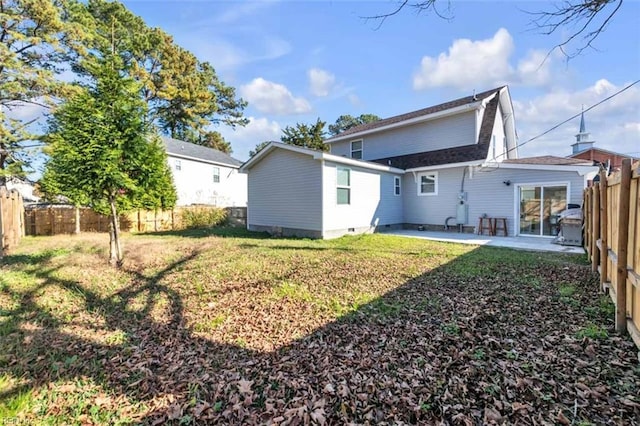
(586, 19)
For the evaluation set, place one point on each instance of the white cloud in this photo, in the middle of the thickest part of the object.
(273, 98)
(227, 56)
(472, 64)
(241, 10)
(244, 139)
(614, 125)
(321, 82)
(354, 99)
(534, 69)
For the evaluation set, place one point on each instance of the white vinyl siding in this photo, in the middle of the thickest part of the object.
(285, 190)
(445, 132)
(196, 183)
(372, 203)
(356, 149)
(485, 191)
(428, 183)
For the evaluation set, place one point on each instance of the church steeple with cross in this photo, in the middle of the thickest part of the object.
(582, 138)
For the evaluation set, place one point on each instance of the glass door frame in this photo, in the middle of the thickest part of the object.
(516, 203)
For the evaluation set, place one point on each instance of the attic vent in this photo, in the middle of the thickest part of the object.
(182, 147)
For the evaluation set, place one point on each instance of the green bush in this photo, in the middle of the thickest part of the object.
(203, 217)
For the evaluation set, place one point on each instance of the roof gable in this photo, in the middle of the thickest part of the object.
(398, 119)
(184, 149)
(458, 154)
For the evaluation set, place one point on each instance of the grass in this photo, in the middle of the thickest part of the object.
(194, 314)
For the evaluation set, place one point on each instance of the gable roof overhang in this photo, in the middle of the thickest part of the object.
(457, 106)
(316, 155)
(476, 153)
(189, 151)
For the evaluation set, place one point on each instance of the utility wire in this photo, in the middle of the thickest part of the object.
(572, 117)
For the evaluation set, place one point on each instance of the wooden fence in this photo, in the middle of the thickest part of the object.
(612, 241)
(56, 219)
(11, 219)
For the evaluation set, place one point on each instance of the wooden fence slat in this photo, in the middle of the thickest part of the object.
(595, 234)
(604, 241)
(622, 246)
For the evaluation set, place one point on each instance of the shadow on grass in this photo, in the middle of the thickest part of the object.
(222, 231)
(447, 345)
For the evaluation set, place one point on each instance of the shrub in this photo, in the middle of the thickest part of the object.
(203, 217)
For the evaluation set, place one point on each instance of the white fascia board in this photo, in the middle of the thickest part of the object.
(581, 170)
(446, 166)
(356, 163)
(427, 117)
(201, 160)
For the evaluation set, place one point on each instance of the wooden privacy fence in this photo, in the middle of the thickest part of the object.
(57, 219)
(612, 241)
(11, 219)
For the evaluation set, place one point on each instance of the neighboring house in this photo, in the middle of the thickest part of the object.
(583, 149)
(204, 175)
(440, 166)
(25, 187)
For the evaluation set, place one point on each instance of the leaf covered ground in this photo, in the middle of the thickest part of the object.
(227, 327)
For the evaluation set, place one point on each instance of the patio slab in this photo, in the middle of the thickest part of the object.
(521, 243)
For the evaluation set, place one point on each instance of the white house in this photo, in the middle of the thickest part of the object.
(204, 175)
(446, 165)
(25, 187)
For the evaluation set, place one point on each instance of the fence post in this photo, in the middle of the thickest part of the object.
(604, 237)
(621, 251)
(595, 258)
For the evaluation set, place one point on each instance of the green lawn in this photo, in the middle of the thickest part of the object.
(230, 327)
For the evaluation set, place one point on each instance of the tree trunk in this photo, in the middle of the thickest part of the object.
(77, 229)
(115, 250)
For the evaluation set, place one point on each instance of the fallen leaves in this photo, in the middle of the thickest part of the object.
(366, 331)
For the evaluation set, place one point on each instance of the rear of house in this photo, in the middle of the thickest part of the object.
(440, 166)
(301, 192)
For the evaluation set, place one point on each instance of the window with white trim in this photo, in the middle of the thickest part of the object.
(343, 186)
(428, 183)
(397, 190)
(356, 149)
(178, 165)
(216, 174)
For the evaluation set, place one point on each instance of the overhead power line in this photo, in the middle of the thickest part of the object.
(573, 117)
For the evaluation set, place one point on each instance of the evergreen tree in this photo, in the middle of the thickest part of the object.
(345, 122)
(183, 95)
(33, 37)
(305, 135)
(102, 151)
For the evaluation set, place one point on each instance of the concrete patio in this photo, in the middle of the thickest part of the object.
(521, 243)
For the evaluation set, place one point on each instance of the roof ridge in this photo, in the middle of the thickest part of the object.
(443, 106)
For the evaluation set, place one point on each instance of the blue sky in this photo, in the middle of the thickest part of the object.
(295, 61)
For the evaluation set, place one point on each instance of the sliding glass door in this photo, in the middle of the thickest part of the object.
(540, 206)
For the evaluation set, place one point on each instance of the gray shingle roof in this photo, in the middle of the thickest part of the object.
(457, 154)
(186, 149)
(549, 160)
